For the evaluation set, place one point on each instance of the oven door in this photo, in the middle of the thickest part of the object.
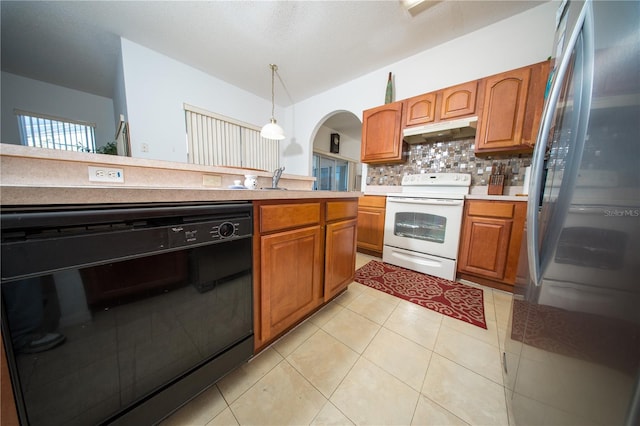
(425, 225)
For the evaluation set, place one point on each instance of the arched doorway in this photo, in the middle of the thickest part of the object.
(337, 167)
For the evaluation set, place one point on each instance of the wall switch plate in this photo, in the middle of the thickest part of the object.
(212, 180)
(106, 174)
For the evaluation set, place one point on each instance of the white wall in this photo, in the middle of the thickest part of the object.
(44, 98)
(158, 86)
(349, 147)
(524, 39)
(119, 94)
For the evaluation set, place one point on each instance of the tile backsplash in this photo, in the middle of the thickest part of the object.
(450, 157)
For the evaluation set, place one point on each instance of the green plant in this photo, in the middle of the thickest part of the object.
(110, 148)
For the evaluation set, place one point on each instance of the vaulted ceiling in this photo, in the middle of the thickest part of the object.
(316, 44)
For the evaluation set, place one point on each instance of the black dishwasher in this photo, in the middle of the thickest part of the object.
(122, 313)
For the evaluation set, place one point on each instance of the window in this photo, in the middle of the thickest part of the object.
(44, 131)
(215, 140)
(332, 174)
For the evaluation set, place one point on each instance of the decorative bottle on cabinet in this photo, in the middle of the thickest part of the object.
(388, 96)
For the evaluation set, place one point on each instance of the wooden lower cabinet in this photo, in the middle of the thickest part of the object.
(8, 412)
(340, 257)
(291, 277)
(304, 255)
(490, 241)
(371, 216)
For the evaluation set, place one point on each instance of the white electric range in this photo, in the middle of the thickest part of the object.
(423, 222)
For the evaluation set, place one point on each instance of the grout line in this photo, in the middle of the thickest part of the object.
(258, 380)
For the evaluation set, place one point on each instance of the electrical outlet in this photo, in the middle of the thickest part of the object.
(144, 147)
(106, 174)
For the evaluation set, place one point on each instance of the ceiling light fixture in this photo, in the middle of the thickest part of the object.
(417, 6)
(272, 130)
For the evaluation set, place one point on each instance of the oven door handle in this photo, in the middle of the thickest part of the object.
(426, 201)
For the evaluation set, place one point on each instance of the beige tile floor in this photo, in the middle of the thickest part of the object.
(368, 358)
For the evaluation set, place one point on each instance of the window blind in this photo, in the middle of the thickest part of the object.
(45, 131)
(216, 140)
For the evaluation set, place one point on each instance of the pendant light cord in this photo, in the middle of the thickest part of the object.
(273, 73)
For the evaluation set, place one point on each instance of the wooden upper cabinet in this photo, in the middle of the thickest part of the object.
(512, 108)
(419, 109)
(508, 106)
(452, 102)
(381, 134)
(504, 108)
(459, 101)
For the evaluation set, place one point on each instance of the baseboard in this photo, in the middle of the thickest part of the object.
(486, 282)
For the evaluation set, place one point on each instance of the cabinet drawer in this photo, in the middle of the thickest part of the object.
(286, 216)
(372, 201)
(491, 209)
(341, 209)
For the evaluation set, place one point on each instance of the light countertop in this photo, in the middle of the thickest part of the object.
(511, 193)
(31, 195)
(496, 197)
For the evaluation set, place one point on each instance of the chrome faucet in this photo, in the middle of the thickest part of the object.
(276, 177)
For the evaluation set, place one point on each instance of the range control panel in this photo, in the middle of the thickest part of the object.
(437, 179)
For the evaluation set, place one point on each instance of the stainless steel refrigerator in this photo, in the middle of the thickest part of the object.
(572, 347)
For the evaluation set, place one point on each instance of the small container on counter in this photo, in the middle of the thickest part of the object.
(251, 181)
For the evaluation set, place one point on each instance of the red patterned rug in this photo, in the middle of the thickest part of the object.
(449, 298)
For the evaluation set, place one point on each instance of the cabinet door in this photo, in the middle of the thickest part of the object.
(485, 246)
(8, 412)
(504, 109)
(371, 228)
(381, 134)
(340, 257)
(459, 101)
(291, 278)
(419, 109)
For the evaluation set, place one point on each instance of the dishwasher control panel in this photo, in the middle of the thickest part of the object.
(207, 232)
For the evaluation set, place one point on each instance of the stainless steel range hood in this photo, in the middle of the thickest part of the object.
(445, 130)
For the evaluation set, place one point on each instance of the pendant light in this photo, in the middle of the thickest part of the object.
(272, 130)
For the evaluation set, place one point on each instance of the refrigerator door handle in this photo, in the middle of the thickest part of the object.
(537, 163)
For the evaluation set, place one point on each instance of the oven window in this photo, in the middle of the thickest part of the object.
(88, 342)
(592, 247)
(421, 226)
